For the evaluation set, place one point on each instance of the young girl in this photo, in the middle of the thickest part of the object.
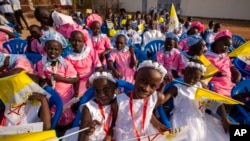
(101, 42)
(59, 73)
(97, 113)
(133, 111)
(124, 59)
(34, 43)
(196, 48)
(186, 112)
(64, 24)
(84, 60)
(167, 56)
(13, 63)
(228, 74)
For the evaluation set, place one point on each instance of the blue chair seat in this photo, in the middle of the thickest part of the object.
(237, 40)
(16, 46)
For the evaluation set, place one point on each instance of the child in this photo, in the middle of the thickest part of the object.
(101, 42)
(201, 126)
(6, 33)
(63, 24)
(210, 37)
(209, 29)
(59, 73)
(196, 48)
(133, 111)
(84, 60)
(124, 59)
(98, 111)
(167, 56)
(228, 74)
(34, 43)
(14, 63)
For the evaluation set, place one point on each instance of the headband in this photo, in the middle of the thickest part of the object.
(98, 75)
(196, 65)
(154, 65)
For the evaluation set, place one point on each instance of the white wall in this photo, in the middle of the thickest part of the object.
(135, 5)
(227, 9)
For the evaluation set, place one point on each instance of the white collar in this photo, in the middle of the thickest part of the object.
(122, 50)
(210, 53)
(80, 56)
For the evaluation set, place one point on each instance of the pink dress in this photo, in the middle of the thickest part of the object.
(222, 85)
(3, 38)
(24, 63)
(122, 60)
(167, 59)
(85, 64)
(100, 44)
(64, 24)
(182, 45)
(37, 47)
(65, 90)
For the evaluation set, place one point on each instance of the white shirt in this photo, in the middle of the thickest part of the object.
(6, 8)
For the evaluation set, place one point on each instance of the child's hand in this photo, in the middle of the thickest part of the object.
(102, 56)
(117, 74)
(92, 126)
(166, 80)
(237, 77)
(131, 49)
(56, 77)
(219, 74)
(37, 96)
(161, 128)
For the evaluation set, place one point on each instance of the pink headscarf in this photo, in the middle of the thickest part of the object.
(93, 17)
(198, 25)
(223, 33)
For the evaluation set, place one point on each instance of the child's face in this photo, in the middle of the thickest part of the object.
(76, 41)
(192, 75)
(169, 44)
(53, 49)
(147, 81)
(222, 45)
(193, 31)
(152, 25)
(96, 28)
(104, 90)
(120, 42)
(199, 48)
(45, 18)
(35, 32)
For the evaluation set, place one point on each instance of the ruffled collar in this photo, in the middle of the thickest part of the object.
(97, 38)
(80, 56)
(47, 62)
(122, 50)
(223, 55)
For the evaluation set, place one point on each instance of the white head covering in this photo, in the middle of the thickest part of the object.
(53, 35)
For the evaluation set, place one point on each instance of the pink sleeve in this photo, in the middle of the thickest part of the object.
(107, 44)
(23, 63)
(70, 70)
(34, 45)
(96, 61)
(182, 44)
(40, 69)
(177, 63)
(230, 62)
(112, 56)
(159, 57)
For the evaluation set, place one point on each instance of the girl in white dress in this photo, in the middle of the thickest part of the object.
(201, 126)
(97, 113)
(134, 110)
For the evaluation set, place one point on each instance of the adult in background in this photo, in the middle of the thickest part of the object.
(16, 5)
(6, 9)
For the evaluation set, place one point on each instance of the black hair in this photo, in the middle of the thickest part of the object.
(38, 11)
(189, 18)
(93, 23)
(121, 35)
(35, 26)
(76, 32)
(210, 23)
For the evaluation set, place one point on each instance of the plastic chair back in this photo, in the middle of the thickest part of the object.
(33, 58)
(89, 94)
(152, 47)
(237, 40)
(240, 65)
(16, 46)
(243, 117)
(140, 55)
(56, 100)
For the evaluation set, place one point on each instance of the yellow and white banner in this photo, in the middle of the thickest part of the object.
(16, 89)
(173, 19)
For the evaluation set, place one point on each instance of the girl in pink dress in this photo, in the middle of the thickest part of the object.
(167, 56)
(59, 73)
(63, 24)
(124, 59)
(84, 60)
(34, 43)
(223, 80)
(14, 63)
(6, 33)
(196, 48)
(101, 42)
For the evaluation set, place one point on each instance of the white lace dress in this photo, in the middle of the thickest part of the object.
(201, 126)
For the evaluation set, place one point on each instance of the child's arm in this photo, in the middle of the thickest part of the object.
(10, 34)
(162, 98)
(102, 55)
(158, 125)
(64, 79)
(76, 86)
(44, 110)
(115, 72)
(11, 72)
(132, 60)
(225, 122)
(87, 121)
(236, 75)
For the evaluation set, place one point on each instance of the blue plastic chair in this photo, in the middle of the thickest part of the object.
(56, 100)
(140, 55)
(243, 117)
(89, 94)
(152, 47)
(16, 46)
(33, 57)
(237, 40)
(240, 65)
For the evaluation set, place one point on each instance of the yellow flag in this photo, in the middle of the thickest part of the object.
(210, 71)
(173, 19)
(243, 49)
(204, 93)
(16, 89)
(36, 136)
